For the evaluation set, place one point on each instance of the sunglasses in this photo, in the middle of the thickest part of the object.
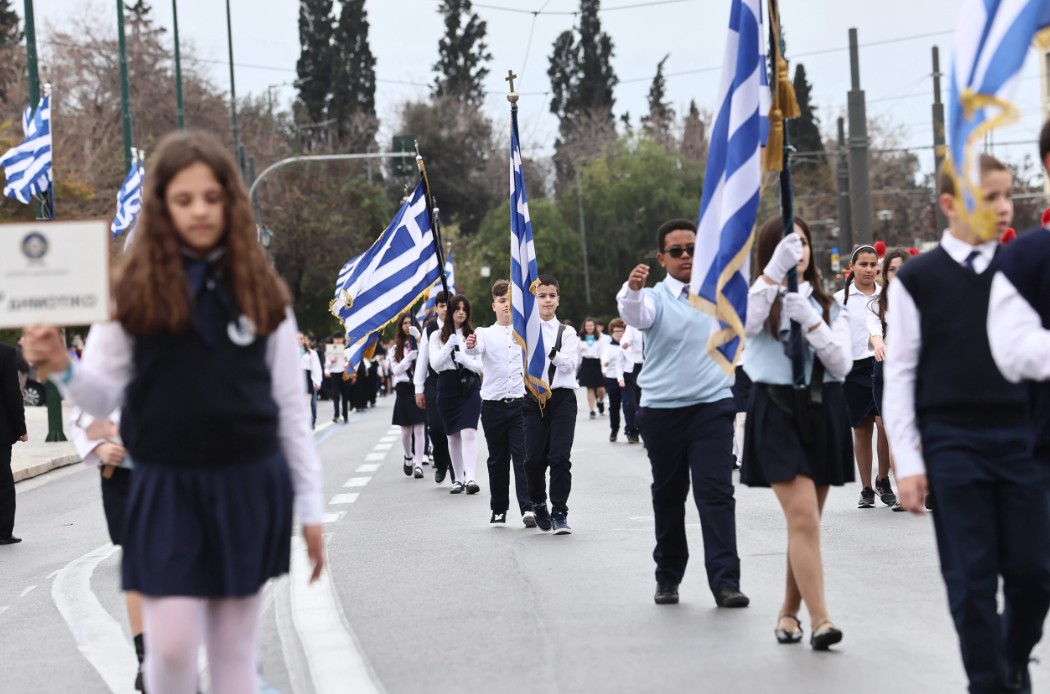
(677, 252)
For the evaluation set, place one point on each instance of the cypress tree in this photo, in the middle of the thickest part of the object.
(694, 136)
(658, 122)
(462, 54)
(597, 78)
(805, 130)
(353, 102)
(314, 67)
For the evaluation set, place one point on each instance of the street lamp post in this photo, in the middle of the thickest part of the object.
(178, 66)
(125, 95)
(233, 90)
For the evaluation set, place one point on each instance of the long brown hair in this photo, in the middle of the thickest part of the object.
(450, 322)
(150, 286)
(881, 302)
(769, 235)
(583, 328)
(401, 340)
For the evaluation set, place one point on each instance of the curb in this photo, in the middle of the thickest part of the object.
(45, 467)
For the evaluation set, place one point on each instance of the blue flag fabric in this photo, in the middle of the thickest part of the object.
(429, 308)
(129, 198)
(27, 166)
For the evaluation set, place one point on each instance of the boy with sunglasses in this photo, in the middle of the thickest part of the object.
(686, 419)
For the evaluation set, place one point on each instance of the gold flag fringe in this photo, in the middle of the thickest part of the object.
(784, 103)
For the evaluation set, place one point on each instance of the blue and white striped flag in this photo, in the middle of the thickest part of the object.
(129, 198)
(375, 288)
(28, 166)
(429, 308)
(524, 278)
(364, 349)
(991, 40)
(729, 205)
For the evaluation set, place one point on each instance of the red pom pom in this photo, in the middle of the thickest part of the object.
(880, 248)
(1008, 235)
(913, 251)
(1046, 216)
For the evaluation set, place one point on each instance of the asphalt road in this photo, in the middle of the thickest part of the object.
(423, 595)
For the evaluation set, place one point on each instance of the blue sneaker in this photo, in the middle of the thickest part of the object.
(543, 517)
(561, 524)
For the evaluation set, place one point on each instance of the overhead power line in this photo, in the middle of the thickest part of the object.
(572, 13)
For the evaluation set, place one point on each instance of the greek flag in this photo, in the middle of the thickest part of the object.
(129, 198)
(525, 313)
(729, 204)
(374, 288)
(991, 40)
(364, 349)
(28, 166)
(429, 308)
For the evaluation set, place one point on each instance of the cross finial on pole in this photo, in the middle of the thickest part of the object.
(512, 97)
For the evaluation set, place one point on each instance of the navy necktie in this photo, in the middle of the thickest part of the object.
(968, 263)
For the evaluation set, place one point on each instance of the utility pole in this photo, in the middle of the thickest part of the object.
(860, 184)
(125, 96)
(583, 241)
(178, 66)
(938, 139)
(233, 91)
(842, 176)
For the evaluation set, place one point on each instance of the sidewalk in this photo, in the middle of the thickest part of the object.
(36, 456)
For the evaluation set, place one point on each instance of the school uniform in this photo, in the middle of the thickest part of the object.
(634, 357)
(459, 409)
(425, 382)
(952, 416)
(613, 363)
(857, 386)
(551, 430)
(502, 395)
(775, 448)
(215, 422)
(115, 482)
(338, 389)
(12, 427)
(311, 366)
(590, 355)
(878, 378)
(686, 420)
(406, 412)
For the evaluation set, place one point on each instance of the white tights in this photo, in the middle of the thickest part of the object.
(174, 628)
(463, 449)
(421, 443)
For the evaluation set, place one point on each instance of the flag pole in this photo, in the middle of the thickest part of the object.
(432, 212)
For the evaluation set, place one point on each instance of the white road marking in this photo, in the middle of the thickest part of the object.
(294, 658)
(357, 481)
(4, 609)
(388, 439)
(344, 498)
(394, 430)
(333, 517)
(98, 636)
(382, 447)
(53, 574)
(369, 467)
(27, 591)
(335, 658)
(376, 456)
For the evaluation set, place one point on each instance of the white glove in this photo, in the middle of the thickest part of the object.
(788, 254)
(798, 309)
(414, 332)
(411, 354)
(460, 358)
(453, 340)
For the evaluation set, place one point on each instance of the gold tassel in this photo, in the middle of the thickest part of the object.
(1042, 40)
(784, 105)
(773, 154)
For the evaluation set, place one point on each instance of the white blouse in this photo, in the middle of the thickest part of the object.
(441, 358)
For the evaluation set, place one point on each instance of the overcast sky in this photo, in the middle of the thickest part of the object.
(896, 37)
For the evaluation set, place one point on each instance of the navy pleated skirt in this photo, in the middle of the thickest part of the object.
(590, 373)
(456, 411)
(406, 412)
(208, 531)
(773, 451)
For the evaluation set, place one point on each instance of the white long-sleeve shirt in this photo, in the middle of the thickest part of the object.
(311, 362)
(79, 422)
(441, 353)
(1020, 344)
(400, 369)
(614, 361)
(567, 357)
(633, 344)
(903, 322)
(501, 362)
(858, 315)
(99, 380)
(423, 360)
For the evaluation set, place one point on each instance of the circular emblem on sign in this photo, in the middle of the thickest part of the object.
(34, 245)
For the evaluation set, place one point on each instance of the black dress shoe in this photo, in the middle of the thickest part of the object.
(731, 597)
(10, 540)
(666, 594)
(1018, 678)
(439, 475)
(785, 636)
(823, 640)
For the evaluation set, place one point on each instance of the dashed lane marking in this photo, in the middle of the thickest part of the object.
(27, 591)
(4, 609)
(357, 481)
(332, 517)
(382, 447)
(368, 467)
(344, 499)
(376, 456)
(388, 439)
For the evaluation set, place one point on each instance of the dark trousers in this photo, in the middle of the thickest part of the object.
(695, 440)
(340, 392)
(505, 435)
(612, 389)
(548, 444)
(992, 519)
(7, 493)
(436, 430)
(629, 396)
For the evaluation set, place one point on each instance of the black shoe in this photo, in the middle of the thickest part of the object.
(528, 518)
(457, 488)
(1017, 678)
(929, 501)
(560, 524)
(498, 517)
(885, 491)
(406, 467)
(543, 517)
(784, 636)
(897, 508)
(731, 597)
(867, 498)
(439, 475)
(632, 438)
(472, 487)
(736, 463)
(823, 640)
(10, 540)
(593, 416)
(612, 437)
(418, 473)
(666, 594)
(601, 408)
(140, 685)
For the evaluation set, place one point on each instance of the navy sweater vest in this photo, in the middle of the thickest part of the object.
(1026, 263)
(957, 381)
(201, 398)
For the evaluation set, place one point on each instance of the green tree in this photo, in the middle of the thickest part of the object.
(12, 57)
(658, 122)
(462, 54)
(694, 135)
(353, 100)
(804, 131)
(314, 66)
